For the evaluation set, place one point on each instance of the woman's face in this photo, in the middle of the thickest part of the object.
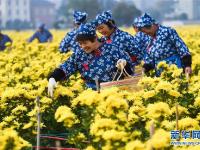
(150, 30)
(104, 30)
(135, 29)
(76, 25)
(87, 45)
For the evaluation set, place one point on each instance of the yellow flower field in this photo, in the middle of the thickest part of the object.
(113, 119)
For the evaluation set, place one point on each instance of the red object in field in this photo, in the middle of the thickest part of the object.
(54, 148)
(133, 58)
(53, 137)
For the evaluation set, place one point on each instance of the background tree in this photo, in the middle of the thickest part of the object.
(92, 7)
(124, 13)
(163, 9)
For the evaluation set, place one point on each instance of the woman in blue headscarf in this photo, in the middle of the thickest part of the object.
(165, 45)
(94, 60)
(111, 34)
(142, 38)
(69, 42)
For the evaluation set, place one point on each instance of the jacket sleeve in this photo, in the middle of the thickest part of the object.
(65, 70)
(135, 51)
(181, 47)
(33, 37)
(149, 63)
(49, 34)
(65, 43)
(8, 39)
(118, 54)
(186, 61)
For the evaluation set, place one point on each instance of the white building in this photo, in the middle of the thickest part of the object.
(189, 7)
(11, 10)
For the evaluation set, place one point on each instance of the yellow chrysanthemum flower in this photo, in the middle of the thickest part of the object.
(65, 114)
(99, 125)
(90, 148)
(158, 109)
(135, 145)
(188, 124)
(197, 102)
(164, 85)
(149, 94)
(160, 139)
(114, 135)
(174, 93)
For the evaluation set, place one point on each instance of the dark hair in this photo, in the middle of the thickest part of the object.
(111, 24)
(85, 37)
(146, 26)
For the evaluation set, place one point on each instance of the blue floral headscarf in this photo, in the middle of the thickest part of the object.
(79, 17)
(103, 18)
(87, 29)
(145, 20)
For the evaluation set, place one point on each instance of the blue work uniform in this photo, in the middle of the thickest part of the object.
(126, 43)
(143, 40)
(98, 65)
(69, 42)
(3, 40)
(166, 46)
(42, 36)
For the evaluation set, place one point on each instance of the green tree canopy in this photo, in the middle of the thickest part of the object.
(124, 13)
